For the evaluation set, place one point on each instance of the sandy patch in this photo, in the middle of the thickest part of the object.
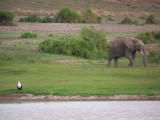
(31, 97)
(71, 28)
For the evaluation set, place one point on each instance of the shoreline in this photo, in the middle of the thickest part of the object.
(16, 98)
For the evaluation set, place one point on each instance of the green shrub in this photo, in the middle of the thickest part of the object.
(6, 18)
(51, 35)
(31, 18)
(67, 15)
(46, 19)
(126, 20)
(90, 17)
(150, 19)
(29, 35)
(90, 43)
(110, 18)
(149, 37)
(142, 17)
(154, 56)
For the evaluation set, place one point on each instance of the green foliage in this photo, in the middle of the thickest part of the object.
(6, 18)
(29, 35)
(46, 19)
(142, 17)
(90, 17)
(67, 15)
(154, 56)
(51, 35)
(126, 20)
(91, 44)
(110, 18)
(149, 37)
(151, 19)
(31, 18)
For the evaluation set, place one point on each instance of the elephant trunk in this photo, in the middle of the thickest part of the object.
(144, 59)
(143, 51)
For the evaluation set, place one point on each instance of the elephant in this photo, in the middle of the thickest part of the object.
(126, 47)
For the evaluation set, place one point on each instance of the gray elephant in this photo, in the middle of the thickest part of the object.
(126, 47)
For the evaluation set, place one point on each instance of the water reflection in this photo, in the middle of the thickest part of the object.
(110, 110)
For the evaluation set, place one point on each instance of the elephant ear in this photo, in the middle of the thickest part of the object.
(130, 44)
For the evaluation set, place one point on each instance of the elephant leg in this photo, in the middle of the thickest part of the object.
(109, 62)
(130, 57)
(116, 62)
(134, 55)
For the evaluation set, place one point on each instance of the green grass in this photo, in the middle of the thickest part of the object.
(41, 73)
(77, 78)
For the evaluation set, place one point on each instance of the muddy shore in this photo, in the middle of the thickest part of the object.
(49, 98)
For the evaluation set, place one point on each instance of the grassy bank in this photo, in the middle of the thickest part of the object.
(42, 73)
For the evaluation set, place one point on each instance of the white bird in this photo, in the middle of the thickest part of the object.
(19, 86)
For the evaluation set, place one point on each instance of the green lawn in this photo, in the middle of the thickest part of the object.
(41, 73)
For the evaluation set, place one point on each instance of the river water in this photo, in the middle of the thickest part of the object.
(98, 110)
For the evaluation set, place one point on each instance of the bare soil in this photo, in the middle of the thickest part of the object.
(71, 28)
(47, 98)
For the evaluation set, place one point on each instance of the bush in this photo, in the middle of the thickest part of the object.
(67, 15)
(150, 19)
(29, 35)
(126, 20)
(149, 37)
(90, 43)
(6, 18)
(46, 19)
(31, 18)
(90, 17)
(110, 18)
(154, 56)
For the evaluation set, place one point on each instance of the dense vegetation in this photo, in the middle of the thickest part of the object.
(29, 35)
(149, 37)
(126, 20)
(91, 43)
(151, 19)
(154, 56)
(36, 18)
(90, 17)
(67, 15)
(6, 18)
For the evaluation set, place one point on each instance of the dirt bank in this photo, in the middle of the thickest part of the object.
(70, 28)
(31, 98)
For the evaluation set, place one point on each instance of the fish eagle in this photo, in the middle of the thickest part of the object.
(19, 86)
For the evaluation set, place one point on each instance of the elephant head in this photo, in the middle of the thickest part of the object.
(134, 44)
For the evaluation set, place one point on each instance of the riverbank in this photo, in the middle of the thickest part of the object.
(50, 98)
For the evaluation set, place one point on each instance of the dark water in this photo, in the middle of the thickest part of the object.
(110, 110)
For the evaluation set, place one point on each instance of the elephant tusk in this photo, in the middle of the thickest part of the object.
(147, 52)
(142, 53)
